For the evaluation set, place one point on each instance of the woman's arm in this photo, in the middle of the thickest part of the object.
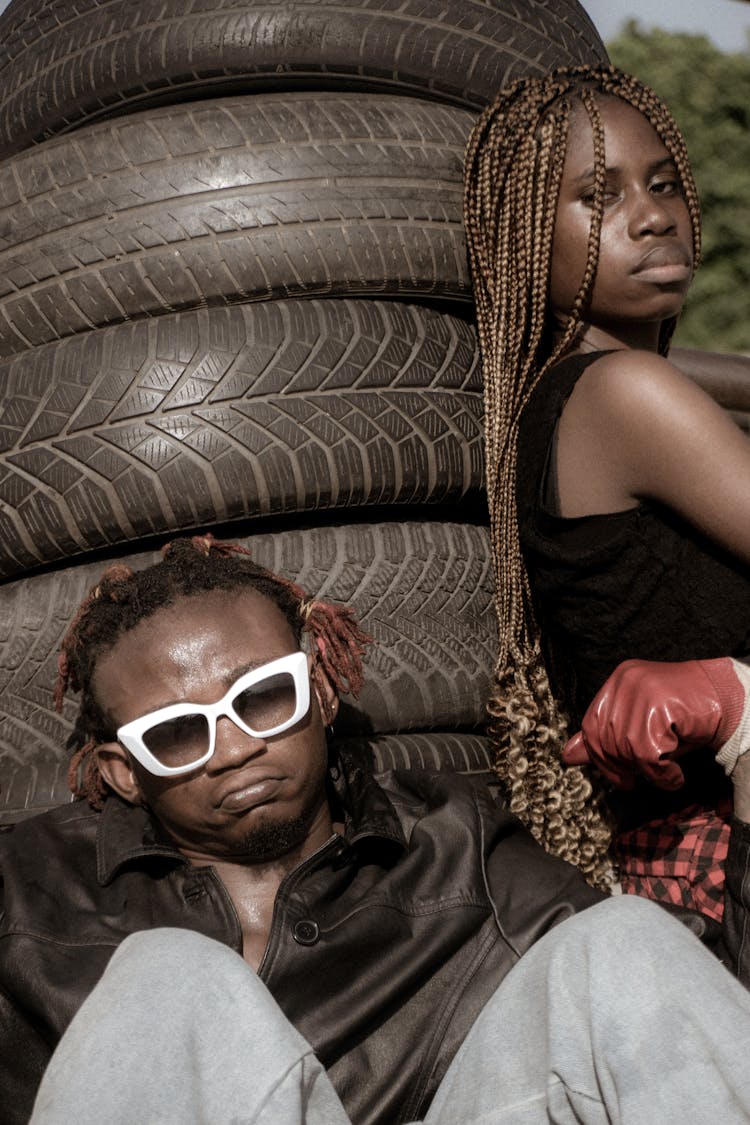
(636, 428)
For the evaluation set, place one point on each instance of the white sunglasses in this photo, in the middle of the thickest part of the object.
(179, 738)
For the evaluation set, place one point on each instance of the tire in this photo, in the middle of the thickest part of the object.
(205, 417)
(458, 751)
(240, 200)
(66, 62)
(423, 590)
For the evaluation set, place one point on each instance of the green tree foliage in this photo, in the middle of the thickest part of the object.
(709, 94)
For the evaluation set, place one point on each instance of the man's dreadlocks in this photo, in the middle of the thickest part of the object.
(122, 598)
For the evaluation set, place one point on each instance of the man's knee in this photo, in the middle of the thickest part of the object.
(626, 923)
(178, 962)
(166, 945)
(625, 939)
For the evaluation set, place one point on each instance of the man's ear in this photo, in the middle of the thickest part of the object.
(116, 769)
(325, 693)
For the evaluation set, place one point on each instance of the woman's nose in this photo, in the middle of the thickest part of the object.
(650, 216)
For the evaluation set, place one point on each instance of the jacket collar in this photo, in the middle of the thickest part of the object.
(127, 832)
(367, 807)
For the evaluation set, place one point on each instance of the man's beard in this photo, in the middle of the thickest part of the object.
(273, 839)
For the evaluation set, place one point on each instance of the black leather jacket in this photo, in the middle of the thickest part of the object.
(384, 947)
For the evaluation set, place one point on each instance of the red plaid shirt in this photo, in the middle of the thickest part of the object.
(679, 859)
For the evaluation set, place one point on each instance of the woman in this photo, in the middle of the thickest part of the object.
(619, 492)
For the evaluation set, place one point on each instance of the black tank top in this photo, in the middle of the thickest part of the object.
(640, 583)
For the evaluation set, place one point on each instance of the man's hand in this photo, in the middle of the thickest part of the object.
(647, 713)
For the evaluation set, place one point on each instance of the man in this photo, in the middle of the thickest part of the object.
(248, 932)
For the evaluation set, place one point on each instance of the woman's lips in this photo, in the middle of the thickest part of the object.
(665, 275)
(250, 794)
(664, 266)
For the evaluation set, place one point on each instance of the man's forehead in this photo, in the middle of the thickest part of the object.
(193, 648)
(225, 604)
(242, 621)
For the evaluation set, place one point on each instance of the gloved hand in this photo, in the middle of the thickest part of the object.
(649, 712)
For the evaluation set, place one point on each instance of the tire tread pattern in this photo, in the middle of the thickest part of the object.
(66, 62)
(205, 417)
(232, 201)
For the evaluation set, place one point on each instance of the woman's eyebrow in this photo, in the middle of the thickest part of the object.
(662, 164)
(614, 169)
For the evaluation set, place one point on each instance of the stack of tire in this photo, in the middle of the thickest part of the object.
(234, 295)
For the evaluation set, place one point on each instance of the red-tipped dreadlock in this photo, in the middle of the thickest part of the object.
(122, 598)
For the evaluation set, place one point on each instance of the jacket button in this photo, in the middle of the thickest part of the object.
(306, 933)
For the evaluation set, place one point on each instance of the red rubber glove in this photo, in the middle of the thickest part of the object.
(648, 712)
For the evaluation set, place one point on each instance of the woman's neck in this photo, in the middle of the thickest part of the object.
(594, 338)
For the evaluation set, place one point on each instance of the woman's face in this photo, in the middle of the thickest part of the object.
(646, 248)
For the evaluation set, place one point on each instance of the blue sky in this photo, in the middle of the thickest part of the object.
(725, 22)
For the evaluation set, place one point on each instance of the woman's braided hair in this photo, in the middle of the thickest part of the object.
(514, 166)
(189, 567)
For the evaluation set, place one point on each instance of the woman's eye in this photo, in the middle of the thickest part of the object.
(588, 197)
(666, 187)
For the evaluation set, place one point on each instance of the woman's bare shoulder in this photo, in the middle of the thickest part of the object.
(633, 363)
(637, 428)
(638, 381)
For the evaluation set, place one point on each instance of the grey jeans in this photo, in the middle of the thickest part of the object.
(617, 1015)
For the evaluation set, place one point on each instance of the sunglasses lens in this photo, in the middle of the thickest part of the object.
(267, 704)
(178, 742)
